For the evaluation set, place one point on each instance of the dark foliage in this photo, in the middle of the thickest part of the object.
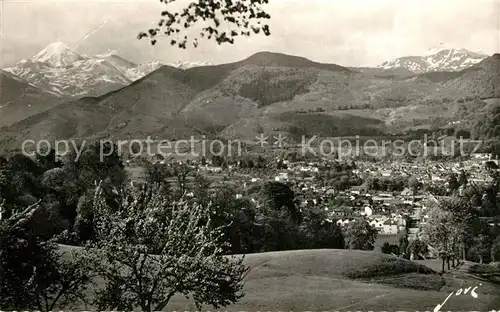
(269, 88)
(390, 249)
(222, 21)
(278, 196)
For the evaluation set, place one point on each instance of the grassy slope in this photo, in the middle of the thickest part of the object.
(343, 280)
(20, 100)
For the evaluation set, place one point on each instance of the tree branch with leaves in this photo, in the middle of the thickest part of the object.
(221, 20)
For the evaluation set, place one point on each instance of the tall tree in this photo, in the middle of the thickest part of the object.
(360, 235)
(439, 231)
(480, 247)
(181, 172)
(155, 249)
(403, 246)
(462, 178)
(414, 184)
(417, 247)
(495, 249)
(453, 183)
(278, 196)
(320, 233)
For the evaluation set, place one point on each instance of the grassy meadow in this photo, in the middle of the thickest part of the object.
(348, 280)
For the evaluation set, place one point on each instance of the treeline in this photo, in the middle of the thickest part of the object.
(456, 231)
(488, 125)
(64, 190)
(178, 226)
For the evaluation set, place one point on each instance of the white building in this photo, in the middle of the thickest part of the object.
(377, 224)
(390, 227)
(368, 211)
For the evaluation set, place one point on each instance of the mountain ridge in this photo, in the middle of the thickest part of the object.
(20, 99)
(440, 60)
(266, 92)
(60, 70)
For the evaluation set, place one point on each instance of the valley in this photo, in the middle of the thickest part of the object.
(267, 92)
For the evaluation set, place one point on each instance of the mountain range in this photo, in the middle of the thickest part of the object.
(59, 70)
(442, 58)
(267, 92)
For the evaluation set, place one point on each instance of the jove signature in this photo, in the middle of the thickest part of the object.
(459, 292)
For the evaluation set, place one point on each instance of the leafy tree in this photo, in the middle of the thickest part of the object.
(417, 247)
(480, 247)
(439, 232)
(414, 184)
(155, 249)
(156, 173)
(181, 172)
(217, 160)
(489, 126)
(360, 235)
(84, 223)
(495, 249)
(403, 246)
(387, 248)
(462, 178)
(236, 216)
(453, 183)
(20, 176)
(98, 162)
(49, 160)
(317, 232)
(279, 232)
(277, 196)
(201, 189)
(34, 274)
(81, 173)
(222, 21)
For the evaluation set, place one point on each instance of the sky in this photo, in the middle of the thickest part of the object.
(344, 32)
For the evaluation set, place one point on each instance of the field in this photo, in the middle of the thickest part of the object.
(346, 280)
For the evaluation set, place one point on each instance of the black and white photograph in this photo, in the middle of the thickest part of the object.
(250, 155)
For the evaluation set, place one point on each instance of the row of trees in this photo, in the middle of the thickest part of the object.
(456, 231)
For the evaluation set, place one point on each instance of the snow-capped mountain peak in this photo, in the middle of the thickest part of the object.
(187, 65)
(60, 70)
(107, 54)
(57, 54)
(440, 58)
(438, 48)
(142, 70)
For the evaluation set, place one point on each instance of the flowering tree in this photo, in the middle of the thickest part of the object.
(154, 249)
(34, 274)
